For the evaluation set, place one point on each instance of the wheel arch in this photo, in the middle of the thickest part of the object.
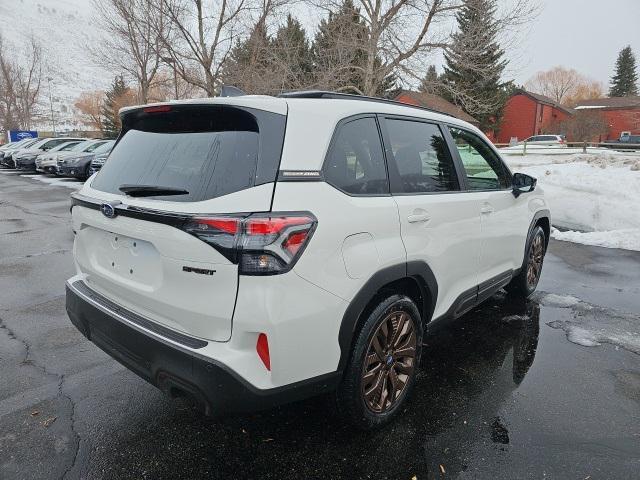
(541, 218)
(414, 279)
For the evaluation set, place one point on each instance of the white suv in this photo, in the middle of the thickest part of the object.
(250, 251)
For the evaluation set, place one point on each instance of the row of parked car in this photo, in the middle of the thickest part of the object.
(64, 156)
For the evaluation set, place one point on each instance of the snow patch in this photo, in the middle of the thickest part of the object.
(591, 325)
(628, 239)
(558, 301)
(583, 337)
(55, 181)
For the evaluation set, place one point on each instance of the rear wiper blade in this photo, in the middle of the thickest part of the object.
(150, 190)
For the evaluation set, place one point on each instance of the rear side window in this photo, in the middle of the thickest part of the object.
(355, 163)
(422, 159)
(209, 151)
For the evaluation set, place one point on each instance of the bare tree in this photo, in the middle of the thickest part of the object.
(202, 35)
(20, 81)
(585, 90)
(134, 34)
(565, 86)
(584, 126)
(89, 106)
(403, 34)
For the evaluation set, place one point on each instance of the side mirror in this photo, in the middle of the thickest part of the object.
(523, 183)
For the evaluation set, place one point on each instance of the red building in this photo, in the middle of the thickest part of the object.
(622, 114)
(434, 102)
(527, 114)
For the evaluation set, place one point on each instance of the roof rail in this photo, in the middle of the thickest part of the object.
(350, 96)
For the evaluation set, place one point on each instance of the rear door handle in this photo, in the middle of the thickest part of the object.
(486, 208)
(418, 216)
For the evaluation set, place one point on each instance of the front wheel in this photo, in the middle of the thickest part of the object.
(525, 283)
(383, 364)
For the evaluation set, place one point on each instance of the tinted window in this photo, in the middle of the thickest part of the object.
(483, 168)
(53, 143)
(67, 146)
(422, 159)
(93, 146)
(207, 151)
(355, 163)
(105, 147)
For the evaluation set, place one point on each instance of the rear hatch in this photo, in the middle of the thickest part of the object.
(147, 249)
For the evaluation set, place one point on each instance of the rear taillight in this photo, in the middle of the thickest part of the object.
(261, 244)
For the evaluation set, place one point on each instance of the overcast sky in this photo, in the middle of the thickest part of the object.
(582, 34)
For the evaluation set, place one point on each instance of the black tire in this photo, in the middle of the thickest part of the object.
(525, 283)
(353, 401)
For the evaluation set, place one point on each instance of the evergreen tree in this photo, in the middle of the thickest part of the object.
(292, 59)
(624, 82)
(337, 57)
(474, 64)
(429, 83)
(248, 64)
(335, 60)
(117, 97)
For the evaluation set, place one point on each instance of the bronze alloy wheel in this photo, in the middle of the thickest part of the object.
(389, 362)
(536, 255)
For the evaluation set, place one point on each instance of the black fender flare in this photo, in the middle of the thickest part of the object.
(416, 270)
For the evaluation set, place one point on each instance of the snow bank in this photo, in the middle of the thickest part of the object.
(628, 239)
(597, 193)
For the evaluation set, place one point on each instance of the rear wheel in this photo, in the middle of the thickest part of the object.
(525, 283)
(382, 368)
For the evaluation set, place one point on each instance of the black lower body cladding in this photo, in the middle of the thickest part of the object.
(180, 372)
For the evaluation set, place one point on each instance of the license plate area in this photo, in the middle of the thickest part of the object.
(125, 259)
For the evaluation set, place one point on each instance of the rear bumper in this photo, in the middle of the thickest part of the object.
(176, 370)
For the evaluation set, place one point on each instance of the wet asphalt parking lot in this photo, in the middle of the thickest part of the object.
(502, 393)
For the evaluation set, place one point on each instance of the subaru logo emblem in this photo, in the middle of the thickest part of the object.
(108, 210)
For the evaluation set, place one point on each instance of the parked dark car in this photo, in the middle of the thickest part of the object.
(48, 162)
(7, 160)
(99, 160)
(25, 159)
(79, 165)
(626, 142)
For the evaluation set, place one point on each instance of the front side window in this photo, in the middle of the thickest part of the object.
(422, 159)
(483, 168)
(355, 163)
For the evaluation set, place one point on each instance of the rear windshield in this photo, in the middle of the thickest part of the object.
(209, 151)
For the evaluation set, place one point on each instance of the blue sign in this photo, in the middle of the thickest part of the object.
(17, 135)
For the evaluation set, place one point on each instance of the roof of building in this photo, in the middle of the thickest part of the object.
(610, 102)
(546, 100)
(439, 104)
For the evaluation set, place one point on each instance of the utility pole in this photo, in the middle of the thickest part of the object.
(53, 120)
